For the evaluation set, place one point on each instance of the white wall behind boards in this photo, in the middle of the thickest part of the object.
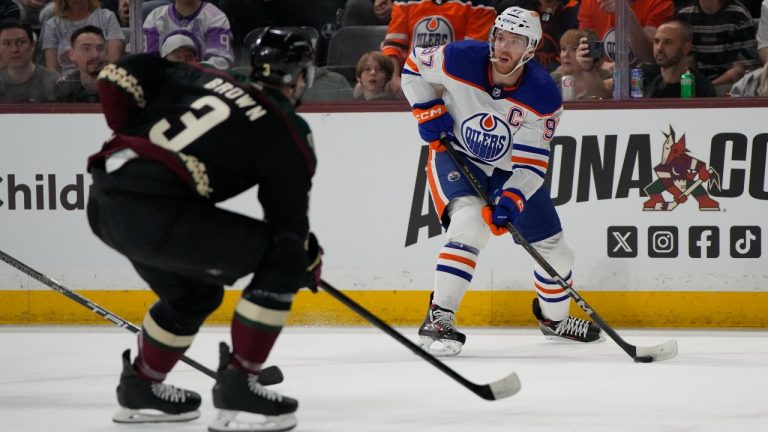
(376, 233)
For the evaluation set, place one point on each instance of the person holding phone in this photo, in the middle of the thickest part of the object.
(643, 17)
(591, 81)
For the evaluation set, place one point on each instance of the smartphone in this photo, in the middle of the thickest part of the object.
(595, 49)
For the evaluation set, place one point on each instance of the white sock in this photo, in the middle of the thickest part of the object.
(455, 267)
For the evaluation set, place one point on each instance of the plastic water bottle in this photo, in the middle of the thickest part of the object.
(687, 85)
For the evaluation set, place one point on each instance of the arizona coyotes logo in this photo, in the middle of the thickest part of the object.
(680, 175)
(432, 31)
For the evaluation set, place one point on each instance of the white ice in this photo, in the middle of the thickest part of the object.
(62, 379)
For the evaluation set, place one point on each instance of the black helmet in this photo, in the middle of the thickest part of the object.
(279, 56)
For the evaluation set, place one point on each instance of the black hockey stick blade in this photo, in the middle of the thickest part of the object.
(98, 310)
(270, 376)
(499, 389)
(665, 351)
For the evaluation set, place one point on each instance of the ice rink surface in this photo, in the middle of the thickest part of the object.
(62, 379)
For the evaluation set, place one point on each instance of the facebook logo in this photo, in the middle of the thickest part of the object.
(662, 242)
(745, 242)
(622, 241)
(704, 242)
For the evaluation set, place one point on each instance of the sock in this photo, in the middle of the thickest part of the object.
(259, 318)
(455, 267)
(159, 350)
(553, 299)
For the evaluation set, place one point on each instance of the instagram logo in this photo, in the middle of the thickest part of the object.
(662, 242)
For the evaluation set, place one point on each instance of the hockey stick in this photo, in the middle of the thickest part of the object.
(268, 376)
(98, 310)
(499, 389)
(661, 352)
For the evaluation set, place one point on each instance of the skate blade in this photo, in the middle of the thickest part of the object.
(226, 421)
(440, 347)
(127, 415)
(560, 339)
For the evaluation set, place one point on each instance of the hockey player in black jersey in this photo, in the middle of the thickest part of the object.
(186, 138)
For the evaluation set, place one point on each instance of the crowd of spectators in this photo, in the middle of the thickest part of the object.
(52, 50)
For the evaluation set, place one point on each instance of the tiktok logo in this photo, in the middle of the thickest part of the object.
(745, 242)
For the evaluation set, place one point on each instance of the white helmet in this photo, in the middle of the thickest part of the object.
(518, 21)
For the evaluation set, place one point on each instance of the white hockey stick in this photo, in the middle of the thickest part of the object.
(268, 376)
(661, 352)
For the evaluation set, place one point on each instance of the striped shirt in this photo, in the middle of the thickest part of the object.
(723, 39)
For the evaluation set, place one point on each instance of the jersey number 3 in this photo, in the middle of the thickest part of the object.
(194, 126)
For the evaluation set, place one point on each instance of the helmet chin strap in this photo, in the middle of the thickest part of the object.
(520, 64)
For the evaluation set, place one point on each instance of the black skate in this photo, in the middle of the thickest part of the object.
(237, 392)
(570, 329)
(143, 401)
(438, 334)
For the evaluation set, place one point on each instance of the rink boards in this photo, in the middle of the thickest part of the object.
(668, 268)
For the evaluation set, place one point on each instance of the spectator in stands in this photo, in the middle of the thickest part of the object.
(366, 12)
(672, 45)
(754, 83)
(430, 23)
(199, 20)
(724, 45)
(70, 15)
(89, 54)
(556, 17)
(762, 34)
(121, 9)
(9, 12)
(180, 48)
(123, 13)
(328, 86)
(373, 72)
(29, 11)
(22, 80)
(643, 17)
(591, 81)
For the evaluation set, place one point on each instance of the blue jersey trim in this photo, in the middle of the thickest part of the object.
(529, 149)
(454, 271)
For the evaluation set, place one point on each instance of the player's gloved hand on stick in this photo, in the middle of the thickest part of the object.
(314, 262)
(434, 119)
(509, 205)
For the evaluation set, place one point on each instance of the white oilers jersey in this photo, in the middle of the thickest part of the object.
(499, 128)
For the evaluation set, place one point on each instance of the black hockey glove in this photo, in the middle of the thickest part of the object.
(314, 262)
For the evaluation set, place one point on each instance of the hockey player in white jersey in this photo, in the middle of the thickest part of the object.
(503, 109)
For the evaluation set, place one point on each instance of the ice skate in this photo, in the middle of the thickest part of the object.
(571, 329)
(143, 401)
(245, 404)
(438, 335)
